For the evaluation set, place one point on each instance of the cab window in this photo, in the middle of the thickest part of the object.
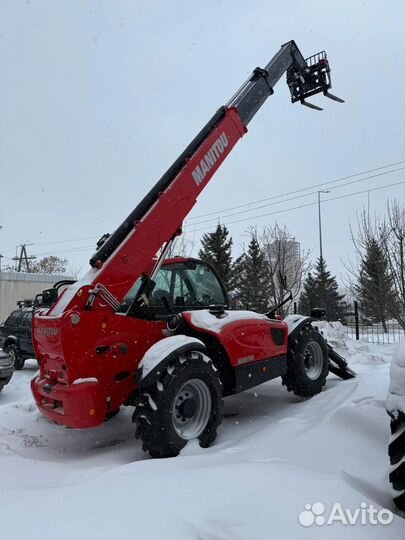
(187, 285)
(182, 286)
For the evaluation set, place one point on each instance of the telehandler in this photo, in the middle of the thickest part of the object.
(157, 334)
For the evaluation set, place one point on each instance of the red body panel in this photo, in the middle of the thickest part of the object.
(247, 340)
(103, 345)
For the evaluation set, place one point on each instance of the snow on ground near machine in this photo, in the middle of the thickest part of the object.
(274, 454)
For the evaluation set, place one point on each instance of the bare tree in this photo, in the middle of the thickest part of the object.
(182, 246)
(285, 261)
(393, 238)
(47, 265)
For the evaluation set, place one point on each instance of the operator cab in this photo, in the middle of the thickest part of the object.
(180, 285)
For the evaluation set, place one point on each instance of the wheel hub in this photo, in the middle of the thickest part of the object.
(313, 360)
(187, 407)
(191, 409)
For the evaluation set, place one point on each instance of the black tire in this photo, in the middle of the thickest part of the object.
(1, 387)
(156, 412)
(308, 349)
(396, 451)
(14, 352)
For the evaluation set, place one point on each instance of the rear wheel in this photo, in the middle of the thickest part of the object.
(15, 354)
(184, 404)
(396, 451)
(307, 363)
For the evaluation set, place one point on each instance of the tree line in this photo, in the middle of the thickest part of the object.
(376, 278)
(271, 264)
(272, 259)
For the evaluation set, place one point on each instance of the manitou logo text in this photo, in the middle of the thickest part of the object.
(47, 331)
(210, 158)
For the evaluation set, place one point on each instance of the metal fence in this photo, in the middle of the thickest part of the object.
(358, 326)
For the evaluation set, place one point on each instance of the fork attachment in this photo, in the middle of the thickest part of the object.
(314, 79)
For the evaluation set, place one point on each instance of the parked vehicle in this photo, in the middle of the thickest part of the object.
(16, 336)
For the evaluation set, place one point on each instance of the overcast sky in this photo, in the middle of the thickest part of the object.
(98, 98)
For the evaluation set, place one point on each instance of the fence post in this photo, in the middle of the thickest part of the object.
(356, 319)
(295, 308)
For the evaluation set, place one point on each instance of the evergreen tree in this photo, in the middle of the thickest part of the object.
(374, 286)
(251, 278)
(308, 298)
(216, 249)
(321, 290)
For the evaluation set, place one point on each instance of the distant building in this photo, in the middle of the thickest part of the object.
(17, 286)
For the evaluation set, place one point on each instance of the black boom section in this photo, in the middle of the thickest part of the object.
(254, 92)
(113, 241)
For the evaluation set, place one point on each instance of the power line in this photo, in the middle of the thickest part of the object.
(58, 242)
(300, 196)
(65, 241)
(296, 191)
(215, 213)
(242, 205)
(83, 248)
(300, 206)
(66, 251)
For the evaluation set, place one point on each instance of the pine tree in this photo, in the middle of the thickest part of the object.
(309, 296)
(216, 249)
(251, 278)
(374, 286)
(321, 290)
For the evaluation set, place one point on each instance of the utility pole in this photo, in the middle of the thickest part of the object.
(23, 257)
(320, 221)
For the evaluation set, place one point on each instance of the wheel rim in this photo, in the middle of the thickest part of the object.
(191, 409)
(313, 360)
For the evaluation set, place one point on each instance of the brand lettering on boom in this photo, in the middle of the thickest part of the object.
(210, 158)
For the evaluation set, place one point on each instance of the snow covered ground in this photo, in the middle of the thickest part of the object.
(274, 454)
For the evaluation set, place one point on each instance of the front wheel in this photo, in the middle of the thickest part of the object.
(15, 354)
(184, 404)
(307, 363)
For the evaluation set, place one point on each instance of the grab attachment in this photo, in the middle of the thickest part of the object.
(312, 80)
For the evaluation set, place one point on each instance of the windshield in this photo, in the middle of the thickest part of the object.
(185, 285)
